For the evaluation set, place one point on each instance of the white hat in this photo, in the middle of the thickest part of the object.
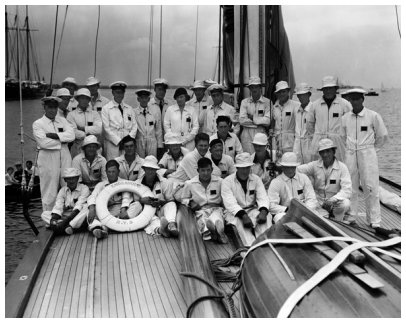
(243, 160)
(83, 91)
(281, 85)
(303, 88)
(326, 143)
(215, 88)
(118, 84)
(329, 81)
(51, 98)
(90, 139)
(92, 81)
(141, 91)
(160, 81)
(254, 80)
(71, 172)
(198, 85)
(172, 139)
(151, 162)
(69, 80)
(289, 159)
(260, 139)
(63, 92)
(355, 90)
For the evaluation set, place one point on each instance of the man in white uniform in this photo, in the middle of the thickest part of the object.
(52, 134)
(231, 143)
(201, 100)
(255, 114)
(98, 101)
(65, 97)
(332, 182)
(365, 133)
(70, 84)
(246, 202)
(324, 117)
(118, 121)
(171, 159)
(129, 162)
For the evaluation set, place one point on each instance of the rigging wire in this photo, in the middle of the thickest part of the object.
(151, 37)
(197, 26)
(397, 20)
(160, 44)
(49, 92)
(60, 40)
(95, 47)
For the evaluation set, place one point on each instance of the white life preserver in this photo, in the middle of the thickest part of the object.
(116, 224)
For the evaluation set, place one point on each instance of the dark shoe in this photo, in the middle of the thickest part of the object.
(69, 230)
(163, 229)
(212, 228)
(99, 233)
(173, 229)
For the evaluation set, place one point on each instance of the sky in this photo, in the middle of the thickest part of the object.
(359, 44)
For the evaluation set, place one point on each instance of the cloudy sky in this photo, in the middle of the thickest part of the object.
(359, 44)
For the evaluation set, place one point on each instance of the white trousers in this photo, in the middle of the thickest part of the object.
(146, 146)
(301, 148)
(75, 223)
(339, 209)
(168, 211)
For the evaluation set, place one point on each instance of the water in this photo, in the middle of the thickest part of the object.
(18, 235)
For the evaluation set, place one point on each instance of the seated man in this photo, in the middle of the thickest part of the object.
(70, 208)
(118, 205)
(261, 158)
(203, 194)
(244, 197)
(290, 184)
(231, 143)
(130, 163)
(224, 162)
(90, 163)
(332, 182)
(165, 221)
(172, 158)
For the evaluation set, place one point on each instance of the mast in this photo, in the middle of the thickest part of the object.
(28, 43)
(7, 58)
(219, 52)
(160, 44)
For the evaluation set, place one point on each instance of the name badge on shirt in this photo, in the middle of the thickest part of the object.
(135, 172)
(335, 115)
(304, 120)
(157, 191)
(224, 172)
(364, 128)
(188, 119)
(75, 200)
(288, 114)
(260, 111)
(99, 109)
(213, 192)
(151, 123)
(299, 192)
(230, 148)
(333, 181)
(204, 107)
(90, 123)
(252, 192)
(73, 108)
(96, 170)
(60, 129)
(129, 118)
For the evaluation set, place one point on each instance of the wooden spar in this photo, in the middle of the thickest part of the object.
(356, 256)
(300, 210)
(20, 285)
(351, 268)
(195, 260)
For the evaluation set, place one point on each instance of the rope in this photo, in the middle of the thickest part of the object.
(60, 40)
(227, 297)
(197, 25)
(53, 52)
(95, 47)
(151, 33)
(160, 44)
(397, 20)
(234, 260)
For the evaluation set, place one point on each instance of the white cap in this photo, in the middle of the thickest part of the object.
(198, 85)
(356, 90)
(63, 92)
(254, 80)
(326, 143)
(281, 85)
(92, 81)
(215, 88)
(303, 88)
(289, 159)
(172, 139)
(260, 139)
(71, 172)
(90, 139)
(329, 81)
(83, 91)
(243, 160)
(160, 81)
(151, 162)
(118, 84)
(51, 98)
(69, 80)
(141, 91)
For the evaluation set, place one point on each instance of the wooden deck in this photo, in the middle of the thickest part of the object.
(77, 275)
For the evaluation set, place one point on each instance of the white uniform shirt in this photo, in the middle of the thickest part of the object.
(162, 189)
(195, 191)
(184, 123)
(232, 145)
(116, 125)
(155, 102)
(98, 103)
(169, 163)
(301, 129)
(123, 198)
(68, 199)
(199, 106)
(226, 165)
(88, 119)
(262, 170)
(334, 181)
(260, 110)
(149, 125)
(90, 174)
(283, 189)
(364, 131)
(209, 116)
(234, 198)
(72, 105)
(59, 125)
(284, 116)
(130, 172)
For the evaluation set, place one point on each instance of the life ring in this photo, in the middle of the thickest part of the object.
(124, 225)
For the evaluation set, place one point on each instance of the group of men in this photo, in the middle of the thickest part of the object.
(215, 160)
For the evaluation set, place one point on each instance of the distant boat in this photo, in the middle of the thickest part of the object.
(372, 92)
